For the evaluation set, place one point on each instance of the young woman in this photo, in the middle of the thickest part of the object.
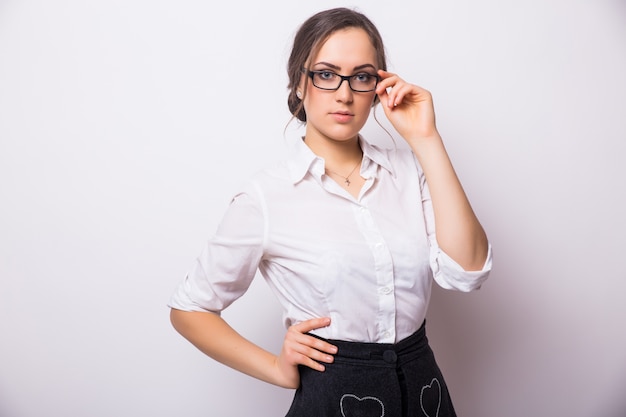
(349, 237)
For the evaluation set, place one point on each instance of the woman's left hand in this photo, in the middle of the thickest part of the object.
(408, 107)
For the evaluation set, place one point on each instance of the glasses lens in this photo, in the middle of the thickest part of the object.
(363, 82)
(326, 80)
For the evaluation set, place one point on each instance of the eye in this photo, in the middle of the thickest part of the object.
(326, 75)
(363, 77)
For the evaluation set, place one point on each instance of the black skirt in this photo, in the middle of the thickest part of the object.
(375, 380)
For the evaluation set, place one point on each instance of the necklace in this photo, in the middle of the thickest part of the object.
(346, 178)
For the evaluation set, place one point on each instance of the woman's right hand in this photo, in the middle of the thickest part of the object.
(302, 349)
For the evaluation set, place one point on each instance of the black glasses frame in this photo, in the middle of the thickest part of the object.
(347, 78)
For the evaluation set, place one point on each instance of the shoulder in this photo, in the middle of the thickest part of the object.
(275, 175)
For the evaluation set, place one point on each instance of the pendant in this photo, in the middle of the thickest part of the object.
(347, 181)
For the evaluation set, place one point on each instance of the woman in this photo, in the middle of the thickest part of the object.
(344, 233)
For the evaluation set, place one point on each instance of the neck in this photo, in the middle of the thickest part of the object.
(337, 154)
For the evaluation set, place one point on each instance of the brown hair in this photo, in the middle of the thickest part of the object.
(309, 40)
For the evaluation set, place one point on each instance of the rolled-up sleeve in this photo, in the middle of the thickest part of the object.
(229, 261)
(450, 275)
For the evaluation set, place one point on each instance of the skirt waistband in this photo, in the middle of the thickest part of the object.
(387, 352)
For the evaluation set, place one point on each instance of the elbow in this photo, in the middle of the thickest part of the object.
(176, 319)
(478, 261)
(477, 257)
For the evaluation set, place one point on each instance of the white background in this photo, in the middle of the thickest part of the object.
(125, 126)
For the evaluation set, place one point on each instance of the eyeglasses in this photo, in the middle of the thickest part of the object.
(328, 80)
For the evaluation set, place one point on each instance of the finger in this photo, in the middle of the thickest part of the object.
(391, 89)
(319, 345)
(398, 94)
(311, 324)
(303, 354)
(392, 96)
(294, 338)
(315, 354)
(387, 80)
(385, 74)
(310, 363)
(409, 93)
(312, 360)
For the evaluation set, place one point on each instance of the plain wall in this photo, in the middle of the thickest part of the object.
(125, 127)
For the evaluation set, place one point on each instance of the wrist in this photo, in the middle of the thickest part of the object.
(285, 375)
(425, 143)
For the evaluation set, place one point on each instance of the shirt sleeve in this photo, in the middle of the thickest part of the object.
(229, 261)
(448, 273)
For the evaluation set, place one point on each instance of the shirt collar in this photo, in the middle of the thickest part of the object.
(302, 160)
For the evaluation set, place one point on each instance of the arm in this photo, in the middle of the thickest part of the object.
(217, 339)
(221, 275)
(410, 110)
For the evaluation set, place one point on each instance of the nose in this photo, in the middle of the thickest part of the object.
(344, 92)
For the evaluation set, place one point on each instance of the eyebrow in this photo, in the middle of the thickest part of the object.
(336, 67)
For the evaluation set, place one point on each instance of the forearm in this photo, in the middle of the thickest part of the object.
(458, 231)
(410, 110)
(214, 337)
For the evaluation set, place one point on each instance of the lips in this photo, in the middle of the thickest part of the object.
(342, 116)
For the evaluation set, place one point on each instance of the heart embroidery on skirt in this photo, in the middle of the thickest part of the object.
(353, 406)
(430, 398)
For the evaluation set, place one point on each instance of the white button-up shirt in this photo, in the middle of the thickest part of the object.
(368, 263)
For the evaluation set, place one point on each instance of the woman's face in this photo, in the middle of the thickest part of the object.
(339, 115)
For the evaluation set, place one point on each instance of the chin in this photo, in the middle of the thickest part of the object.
(343, 134)
(344, 138)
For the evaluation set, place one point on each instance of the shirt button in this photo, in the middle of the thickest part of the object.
(386, 335)
(384, 290)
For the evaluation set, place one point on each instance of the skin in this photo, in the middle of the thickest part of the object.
(334, 119)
